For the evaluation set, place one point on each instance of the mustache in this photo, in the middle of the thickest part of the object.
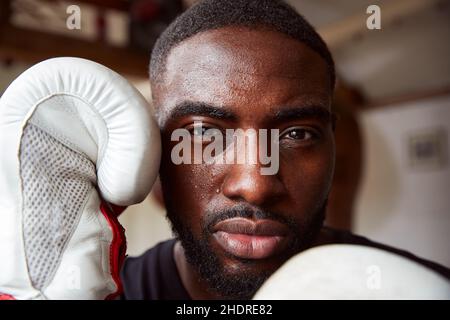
(243, 211)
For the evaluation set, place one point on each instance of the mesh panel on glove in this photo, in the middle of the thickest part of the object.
(56, 183)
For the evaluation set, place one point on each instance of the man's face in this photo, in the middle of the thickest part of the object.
(236, 225)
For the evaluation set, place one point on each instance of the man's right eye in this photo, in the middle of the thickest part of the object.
(202, 131)
(198, 131)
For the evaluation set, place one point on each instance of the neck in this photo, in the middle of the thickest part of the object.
(194, 285)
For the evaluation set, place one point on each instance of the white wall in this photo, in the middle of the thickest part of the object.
(410, 55)
(145, 225)
(400, 204)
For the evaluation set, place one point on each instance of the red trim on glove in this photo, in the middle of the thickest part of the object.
(4, 296)
(116, 210)
(118, 245)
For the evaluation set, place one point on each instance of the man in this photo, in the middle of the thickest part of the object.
(251, 65)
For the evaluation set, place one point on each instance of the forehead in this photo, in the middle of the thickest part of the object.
(244, 69)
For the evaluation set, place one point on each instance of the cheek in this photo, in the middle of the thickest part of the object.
(189, 188)
(186, 182)
(308, 175)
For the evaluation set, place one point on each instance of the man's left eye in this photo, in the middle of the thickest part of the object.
(298, 133)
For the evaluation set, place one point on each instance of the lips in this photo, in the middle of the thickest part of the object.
(250, 239)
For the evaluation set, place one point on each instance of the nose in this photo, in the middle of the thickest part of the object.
(244, 182)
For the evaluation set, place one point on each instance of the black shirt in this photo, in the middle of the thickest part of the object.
(154, 275)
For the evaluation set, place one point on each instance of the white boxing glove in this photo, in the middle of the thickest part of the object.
(78, 144)
(342, 271)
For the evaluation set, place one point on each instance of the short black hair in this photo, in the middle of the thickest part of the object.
(206, 15)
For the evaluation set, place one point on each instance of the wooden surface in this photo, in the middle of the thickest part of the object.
(31, 46)
(121, 5)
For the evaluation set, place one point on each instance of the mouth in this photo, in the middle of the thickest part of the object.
(250, 239)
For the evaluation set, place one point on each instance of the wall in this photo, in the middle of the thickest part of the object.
(145, 225)
(402, 204)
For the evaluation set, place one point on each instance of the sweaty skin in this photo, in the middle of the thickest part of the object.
(253, 75)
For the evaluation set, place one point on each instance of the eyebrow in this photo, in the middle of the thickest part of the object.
(189, 108)
(299, 113)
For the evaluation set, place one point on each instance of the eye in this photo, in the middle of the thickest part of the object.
(202, 130)
(198, 131)
(300, 134)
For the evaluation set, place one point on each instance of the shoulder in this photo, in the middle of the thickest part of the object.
(346, 237)
(149, 257)
(141, 275)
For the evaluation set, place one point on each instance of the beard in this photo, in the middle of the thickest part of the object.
(244, 282)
